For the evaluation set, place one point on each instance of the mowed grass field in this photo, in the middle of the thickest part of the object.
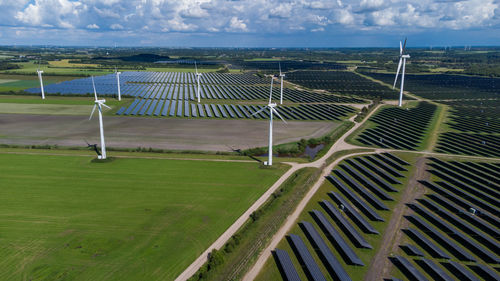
(68, 218)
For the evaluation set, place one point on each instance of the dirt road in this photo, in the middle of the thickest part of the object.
(381, 265)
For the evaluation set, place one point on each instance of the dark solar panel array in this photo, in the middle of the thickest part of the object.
(286, 266)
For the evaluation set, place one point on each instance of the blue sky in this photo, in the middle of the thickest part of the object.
(250, 23)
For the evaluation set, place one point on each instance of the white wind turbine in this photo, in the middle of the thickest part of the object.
(281, 89)
(99, 104)
(402, 58)
(272, 111)
(118, 83)
(198, 77)
(41, 80)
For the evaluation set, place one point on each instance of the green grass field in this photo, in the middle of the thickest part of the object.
(9, 82)
(67, 218)
(54, 105)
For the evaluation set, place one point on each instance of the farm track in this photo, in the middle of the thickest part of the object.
(390, 239)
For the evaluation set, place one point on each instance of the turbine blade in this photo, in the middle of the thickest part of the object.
(276, 112)
(271, 91)
(400, 48)
(404, 47)
(196, 67)
(258, 111)
(280, 67)
(397, 73)
(93, 85)
(92, 113)
(105, 105)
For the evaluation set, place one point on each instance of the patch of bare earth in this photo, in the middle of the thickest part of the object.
(164, 133)
(381, 265)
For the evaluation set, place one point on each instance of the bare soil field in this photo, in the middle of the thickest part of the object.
(132, 132)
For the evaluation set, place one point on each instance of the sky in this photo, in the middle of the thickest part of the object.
(250, 23)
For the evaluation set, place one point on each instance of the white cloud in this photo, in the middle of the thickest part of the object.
(284, 11)
(116, 26)
(266, 16)
(236, 24)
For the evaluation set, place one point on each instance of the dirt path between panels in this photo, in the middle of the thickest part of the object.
(381, 265)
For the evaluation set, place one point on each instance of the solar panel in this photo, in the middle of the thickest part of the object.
(464, 214)
(434, 250)
(172, 108)
(485, 272)
(374, 177)
(384, 166)
(378, 171)
(460, 271)
(353, 214)
(485, 254)
(285, 264)
(329, 260)
(462, 225)
(413, 251)
(368, 184)
(215, 111)
(305, 258)
(395, 158)
(409, 269)
(370, 213)
(435, 271)
(390, 162)
(159, 107)
(356, 238)
(208, 111)
(451, 246)
(336, 239)
(362, 191)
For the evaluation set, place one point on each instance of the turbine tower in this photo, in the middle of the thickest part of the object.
(272, 111)
(402, 58)
(198, 77)
(118, 83)
(40, 78)
(281, 89)
(99, 104)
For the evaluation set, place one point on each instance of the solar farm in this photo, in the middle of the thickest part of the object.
(169, 94)
(338, 234)
(399, 128)
(364, 185)
(343, 82)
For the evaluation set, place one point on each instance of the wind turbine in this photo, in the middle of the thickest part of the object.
(99, 104)
(40, 78)
(118, 83)
(281, 90)
(402, 58)
(272, 111)
(198, 77)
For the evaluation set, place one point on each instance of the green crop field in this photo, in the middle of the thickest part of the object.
(66, 217)
(9, 82)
